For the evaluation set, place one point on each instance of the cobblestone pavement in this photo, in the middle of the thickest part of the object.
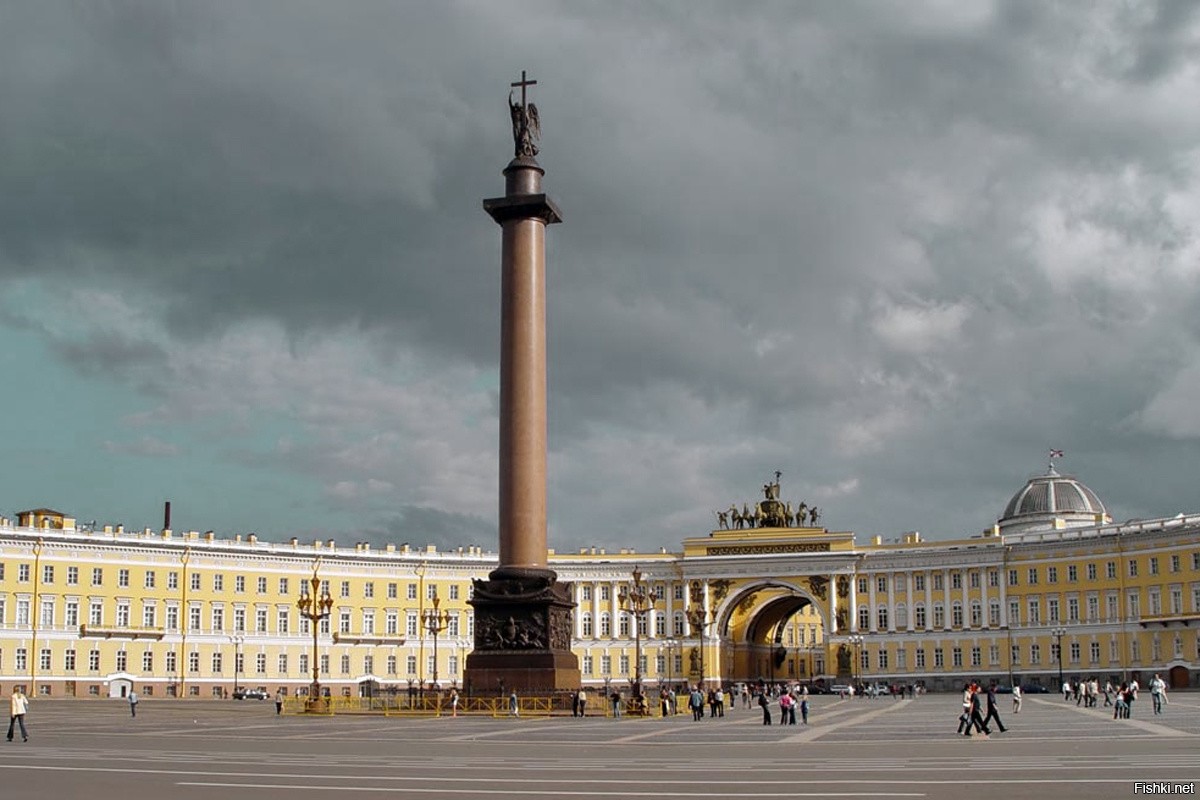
(853, 748)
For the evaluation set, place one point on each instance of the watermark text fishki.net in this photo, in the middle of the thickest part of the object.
(1164, 787)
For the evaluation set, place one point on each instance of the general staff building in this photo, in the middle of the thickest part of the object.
(1054, 587)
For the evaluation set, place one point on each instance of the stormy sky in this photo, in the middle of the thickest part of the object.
(896, 251)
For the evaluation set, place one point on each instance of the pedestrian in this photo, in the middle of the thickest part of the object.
(1016, 698)
(278, 702)
(1108, 691)
(1131, 695)
(787, 713)
(696, 703)
(514, 705)
(977, 711)
(1121, 707)
(1066, 689)
(1158, 692)
(614, 700)
(804, 708)
(18, 704)
(765, 705)
(964, 719)
(133, 701)
(720, 696)
(453, 702)
(992, 712)
(582, 701)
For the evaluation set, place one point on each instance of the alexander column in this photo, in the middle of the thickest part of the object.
(522, 614)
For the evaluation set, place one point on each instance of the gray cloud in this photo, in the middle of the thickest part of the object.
(899, 250)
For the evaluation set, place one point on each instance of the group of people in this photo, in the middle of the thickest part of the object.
(789, 700)
(972, 715)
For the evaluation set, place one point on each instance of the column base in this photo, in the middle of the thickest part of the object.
(523, 632)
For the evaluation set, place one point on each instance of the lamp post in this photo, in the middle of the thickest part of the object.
(237, 660)
(670, 644)
(435, 621)
(855, 640)
(637, 601)
(697, 617)
(314, 609)
(1058, 633)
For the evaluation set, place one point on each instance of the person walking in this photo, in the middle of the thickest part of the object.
(1016, 698)
(18, 704)
(278, 702)
(615, 700)
(1108, 692)
(720, 697)
(765, 705)
(133, 701)
(696, 703)
(1158, 692)
(992, 712)
(514, 705)
(453, 702)
(804, 708)
(1130, 696)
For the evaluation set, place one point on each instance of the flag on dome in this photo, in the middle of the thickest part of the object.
(1056, 453)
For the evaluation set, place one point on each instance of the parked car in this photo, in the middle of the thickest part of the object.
(249, 694)
(1034, 688)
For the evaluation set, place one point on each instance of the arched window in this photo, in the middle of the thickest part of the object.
(677, 624)
(585, 626)
(976, 614)
(881, 617)
(919, 615)
(956, 614)
(864, 618)
(901, 616)
(605, 626)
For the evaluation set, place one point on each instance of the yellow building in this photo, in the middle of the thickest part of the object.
(1053, 587)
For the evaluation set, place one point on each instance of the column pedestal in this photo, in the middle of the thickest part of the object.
(522, 634)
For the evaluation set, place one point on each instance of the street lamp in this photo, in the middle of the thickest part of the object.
(697, 617)
(856, 641)
(237, 660)
(314, 609)
(1058, 633)
(435, 622)
(637, 601)
(670, 645)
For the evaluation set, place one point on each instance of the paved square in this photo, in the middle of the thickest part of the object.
(852, 748)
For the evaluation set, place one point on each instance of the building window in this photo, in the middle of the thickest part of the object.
(392, 591)
(284, 620)
(881, 584)
(172, 580)
(23, 573)
(956, 615)
(919, 582)
(218, 582)
(1133, 569)
(193, 662)
(97, 576)
(973, 578)
(69, 660)
(1051, 574)
(1012, 577)
(1072, 573)
(585, 626)
(410, 665)
(1174, 563)
(864, 618)
(123, 577)
(976, 657)
(955, 580)
(939, 616)
(881, 617)
(588, 663)
(605, 625)
(453, 591)
(283, 664)
(72, 576)
(976, 614)
(195, 581)
(1094, 649)
(938, 581)
(862, 585)
(920, 658)
(1035, 611)
(919, 614)
(1072, 609)
(1015, 654)
(1111, 569)
(1052, 609)
(883, 658)
(94, 660)
(994, 613)
(217, 663)
(1035, 654)
(1033, 576)
(956, 656)
(1091, 572)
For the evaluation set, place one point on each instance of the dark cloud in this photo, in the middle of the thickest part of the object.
(894, 251)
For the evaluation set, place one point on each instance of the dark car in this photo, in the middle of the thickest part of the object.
(249, 694)
(1034, 688)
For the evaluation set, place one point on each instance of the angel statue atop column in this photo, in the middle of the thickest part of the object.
(526, 127)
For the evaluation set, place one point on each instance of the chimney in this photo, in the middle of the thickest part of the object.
(167, 515)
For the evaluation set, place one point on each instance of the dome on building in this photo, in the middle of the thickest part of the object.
(1050, 502)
